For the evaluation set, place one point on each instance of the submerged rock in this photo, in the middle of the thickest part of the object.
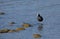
(36, 35)
(19, 29)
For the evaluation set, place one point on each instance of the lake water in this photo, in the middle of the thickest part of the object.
(21, 11)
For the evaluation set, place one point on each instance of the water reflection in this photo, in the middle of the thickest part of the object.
(40, 27)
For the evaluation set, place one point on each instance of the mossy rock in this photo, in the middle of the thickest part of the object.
(26, 25)
(36, 35)
(19, 29)
(4, 31)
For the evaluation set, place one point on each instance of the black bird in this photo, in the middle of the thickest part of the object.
(39, 18)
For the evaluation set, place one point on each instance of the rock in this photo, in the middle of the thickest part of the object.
(19, 29)
(12, 31)
(36, 35)
(4, 31)
(26, 25)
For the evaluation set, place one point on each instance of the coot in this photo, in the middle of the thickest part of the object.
(39, 18)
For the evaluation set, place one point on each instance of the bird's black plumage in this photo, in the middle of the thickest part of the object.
(39, 18)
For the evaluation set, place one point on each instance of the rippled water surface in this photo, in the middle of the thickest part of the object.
(21, 11)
